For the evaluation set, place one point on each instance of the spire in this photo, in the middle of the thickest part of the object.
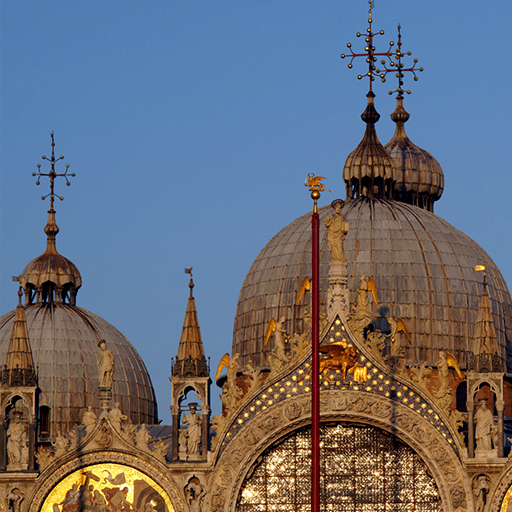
(19, 366)
(420, 178)
(486, 341)
(190, 360)
(369, 170)
(51, 277)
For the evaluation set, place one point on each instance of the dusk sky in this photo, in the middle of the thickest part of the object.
(192, 125)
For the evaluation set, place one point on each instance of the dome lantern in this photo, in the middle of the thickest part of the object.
(369, 170)
(51, 277)
(420, 178)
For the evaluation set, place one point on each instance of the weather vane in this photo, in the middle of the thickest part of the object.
(370, 53)
(52, 175)
(398, 66)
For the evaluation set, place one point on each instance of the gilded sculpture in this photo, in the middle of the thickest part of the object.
(231, 392)
(277, 357)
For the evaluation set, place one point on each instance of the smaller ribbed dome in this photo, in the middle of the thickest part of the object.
(51, 277)
(369, 170)
(420, 178)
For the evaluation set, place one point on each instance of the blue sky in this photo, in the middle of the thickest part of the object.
(191, 126)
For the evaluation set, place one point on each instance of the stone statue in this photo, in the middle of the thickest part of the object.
(60, 445)
(277, 357)
(89, 419)
(182, 443)
(480, 491)
(231, 393)
(338, 228)
(444, 393)
(195, 493)
(142, 437)
(484, 427)
(116, 417)
(194, 421)
(14, 499)
(17, 442)
(105, 365)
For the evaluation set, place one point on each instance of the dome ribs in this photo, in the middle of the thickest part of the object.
(69, 334)
(423, 268)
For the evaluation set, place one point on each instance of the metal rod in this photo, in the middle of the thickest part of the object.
(315, 387)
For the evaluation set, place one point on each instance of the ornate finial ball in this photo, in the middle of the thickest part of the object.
(315, 195)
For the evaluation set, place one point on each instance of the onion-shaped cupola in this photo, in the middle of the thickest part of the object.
(369, 170)
(51, 277)
(419, 178)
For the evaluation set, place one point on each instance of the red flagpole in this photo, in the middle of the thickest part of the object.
(315, 342)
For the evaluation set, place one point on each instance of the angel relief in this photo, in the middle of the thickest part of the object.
(107, 488)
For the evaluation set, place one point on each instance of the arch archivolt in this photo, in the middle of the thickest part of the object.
(265, 429)
(502, 493)
(168, 485)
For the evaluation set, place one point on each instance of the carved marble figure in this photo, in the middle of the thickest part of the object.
(194, 421)
(480, 491)
(17, 439)
(195, 493)
(89, 419)
(105, 365)
(484, 427)
(116, 417)
(337, 231)
(14, 499)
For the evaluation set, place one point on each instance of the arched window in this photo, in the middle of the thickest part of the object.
(362, 468)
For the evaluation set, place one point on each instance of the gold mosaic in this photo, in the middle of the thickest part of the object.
(363, 469)
(107, 487)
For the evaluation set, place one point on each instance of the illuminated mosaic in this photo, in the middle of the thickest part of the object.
(370, 379)
(363, 469)
(107, 487)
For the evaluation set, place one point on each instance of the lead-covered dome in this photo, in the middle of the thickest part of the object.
(423, 268)
(64, 341)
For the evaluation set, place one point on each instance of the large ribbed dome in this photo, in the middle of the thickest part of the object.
(64, 341)
(423, 268)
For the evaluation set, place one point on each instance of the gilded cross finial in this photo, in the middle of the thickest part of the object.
(399, 68)
(370, 52)
(52, 174)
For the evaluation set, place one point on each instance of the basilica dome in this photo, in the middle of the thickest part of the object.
(423, 267)
(64, 343)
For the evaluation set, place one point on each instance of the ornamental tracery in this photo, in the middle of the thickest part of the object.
(363, 469)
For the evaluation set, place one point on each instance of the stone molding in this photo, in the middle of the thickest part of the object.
(256, 436)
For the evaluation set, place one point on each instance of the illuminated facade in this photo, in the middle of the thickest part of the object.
(415, 392)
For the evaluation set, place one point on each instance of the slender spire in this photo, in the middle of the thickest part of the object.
(190, 360)
(420, 178)
(19, 365)
(486, 341)
(51, 277)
